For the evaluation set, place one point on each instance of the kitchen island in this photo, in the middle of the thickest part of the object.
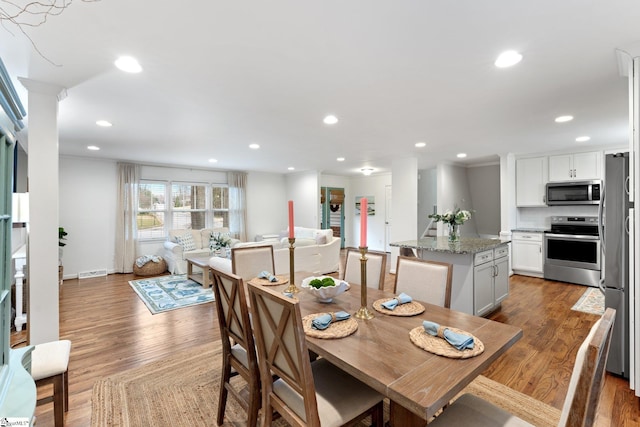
(480, 270)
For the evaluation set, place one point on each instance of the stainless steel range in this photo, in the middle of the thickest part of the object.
(573, 250)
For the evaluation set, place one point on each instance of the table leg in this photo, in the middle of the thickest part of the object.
(402, 417)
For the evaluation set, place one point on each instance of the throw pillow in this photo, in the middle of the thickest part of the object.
(186, 241)
(321, 239)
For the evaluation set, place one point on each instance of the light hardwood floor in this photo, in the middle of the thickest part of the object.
(112, 330)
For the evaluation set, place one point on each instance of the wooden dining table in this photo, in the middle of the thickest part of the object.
(380, 353)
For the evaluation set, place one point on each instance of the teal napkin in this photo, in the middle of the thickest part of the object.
(459, 341)
(266, 275)
(400, 299)
(323, 321)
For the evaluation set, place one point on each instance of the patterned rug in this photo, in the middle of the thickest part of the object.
(592, 301)
(170, 292)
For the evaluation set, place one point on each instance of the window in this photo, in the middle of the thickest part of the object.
(151, 210)
(220, 206)
(166, 205)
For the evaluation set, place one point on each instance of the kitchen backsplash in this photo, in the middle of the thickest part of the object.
(540, 217)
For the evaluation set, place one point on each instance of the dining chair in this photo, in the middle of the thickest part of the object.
(238, 347)
(50, 365)
(303, 393)
(376, 268)
(428, 281)
(248, 262)
(581, 401)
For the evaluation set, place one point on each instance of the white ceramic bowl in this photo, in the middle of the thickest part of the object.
(326, 293)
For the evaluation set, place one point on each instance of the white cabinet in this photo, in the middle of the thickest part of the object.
(531, 179)
(527, 256)
(575, 167)
(490, 279)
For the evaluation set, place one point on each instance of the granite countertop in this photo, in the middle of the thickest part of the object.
(529, 230)
(467, 245)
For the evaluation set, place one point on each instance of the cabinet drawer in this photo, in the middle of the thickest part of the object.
(483, 257)
(531, 237)
(501, 252)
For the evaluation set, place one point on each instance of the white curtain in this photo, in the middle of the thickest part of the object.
(237, 204)
(127, 206)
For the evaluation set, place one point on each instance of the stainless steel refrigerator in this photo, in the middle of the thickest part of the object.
(615, 246)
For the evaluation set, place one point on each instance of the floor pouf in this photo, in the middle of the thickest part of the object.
(151, 268)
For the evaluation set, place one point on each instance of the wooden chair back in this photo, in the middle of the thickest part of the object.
(249, 262)
(282, 351)
(376, 268)
(238, 346)
(428, 281)
(587, 378)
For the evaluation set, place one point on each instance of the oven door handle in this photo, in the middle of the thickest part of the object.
(572, 237)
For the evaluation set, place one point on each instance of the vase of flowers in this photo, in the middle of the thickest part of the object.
(218, 244)
(454, 219)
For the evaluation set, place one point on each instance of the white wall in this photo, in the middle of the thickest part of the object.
(484, 187)
(453, 192)
(366, 186)
(304, 189)
(427, 197)
(87, 212)
(266, 204)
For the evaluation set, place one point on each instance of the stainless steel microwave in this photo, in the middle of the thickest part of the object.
(573, 193)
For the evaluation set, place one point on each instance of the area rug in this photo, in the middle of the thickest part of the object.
(182, 391)
(166, 293)
(592, 301)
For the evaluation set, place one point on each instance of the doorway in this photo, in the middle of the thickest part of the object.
(332, 206)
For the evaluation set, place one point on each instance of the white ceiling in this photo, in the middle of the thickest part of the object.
(219, 75)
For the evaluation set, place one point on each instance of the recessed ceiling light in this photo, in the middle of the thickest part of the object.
(366, 171)
(93, 148)
(508, 58)
(563, 119)
(421, 144)
(330, 120)
(461, 155)
(340, 159)
(583, 138)
(213, 160)
(128, 64)
(254, 146)
(291, 168)
(104, 123)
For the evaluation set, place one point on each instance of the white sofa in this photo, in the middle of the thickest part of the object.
(316, 251)
(175, 255)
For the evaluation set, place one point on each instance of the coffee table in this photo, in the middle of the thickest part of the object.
(203, 263)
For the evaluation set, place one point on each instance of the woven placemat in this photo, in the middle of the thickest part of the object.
(339, 329)
(409, 309)
(265, 282)
(441, 347)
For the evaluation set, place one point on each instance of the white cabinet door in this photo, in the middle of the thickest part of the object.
(531, 178)
(578, 166)
(587, 165)
(560, 168)
(527, 255)
(501, 279)
(483, 300)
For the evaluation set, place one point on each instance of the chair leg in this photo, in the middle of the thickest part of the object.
(254, 404)
(224, 380)
(66, 390)
(58, 400)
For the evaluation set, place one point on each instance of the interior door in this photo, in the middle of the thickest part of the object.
(332, 205)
